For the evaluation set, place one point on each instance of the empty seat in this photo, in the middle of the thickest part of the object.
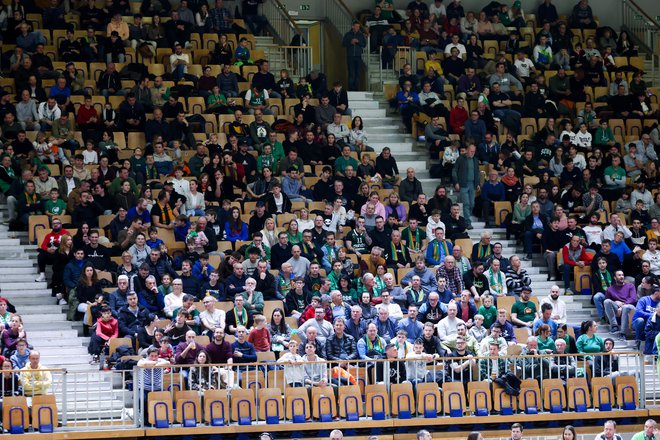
(626, 392)
(402, 400)
(578, 395)
(350, 403)
(429, 400)
(216, 407)
(529, 399)
(243, 408)
(378, 406)
(602, 393)
(161, 411)
(44, 413)
(297, 404)
(554, 395)
(270, 405)
(324, 403)
(454, 401)
(15, 416)
(479, 398)
(188, 408)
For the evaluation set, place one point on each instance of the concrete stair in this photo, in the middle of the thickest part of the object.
(90, 393)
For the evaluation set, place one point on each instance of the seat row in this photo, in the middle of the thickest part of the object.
(352, 402)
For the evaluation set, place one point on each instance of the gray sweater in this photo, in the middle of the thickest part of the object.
(26, 110)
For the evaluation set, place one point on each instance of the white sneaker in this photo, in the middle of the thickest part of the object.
(62, 302)
(41, 278)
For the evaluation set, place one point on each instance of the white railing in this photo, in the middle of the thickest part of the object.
(403, 55)
(278, 17)
(641, 25)
(296, 59)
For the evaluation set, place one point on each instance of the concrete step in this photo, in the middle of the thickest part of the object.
(18, 262)
(371, 113)
(359, 106)
(41, 292)
(40, 310)
(396, 147)
(27, 278)
(360, 96)
(55, 317)
(4, 270)
(65, 351)
(52, 336)
(6, 286)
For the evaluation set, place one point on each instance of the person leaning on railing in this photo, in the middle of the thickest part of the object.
(35, 379)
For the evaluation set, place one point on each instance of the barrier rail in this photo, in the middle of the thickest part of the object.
(278, 17)
(641, 25)
(297, 59)
(341, 18)
(437, 390)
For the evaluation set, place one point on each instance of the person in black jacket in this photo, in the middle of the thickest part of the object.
(87, 211)
(109, 82)
(455, 224)
(341, 346)
(339, 99)
(266, 282)
(533, 227)
(280, 252)
(132, 317)
(264, 80)
(270, 201)
(552, 241)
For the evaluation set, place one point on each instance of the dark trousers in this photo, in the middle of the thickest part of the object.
(44, 259)
(354, 64)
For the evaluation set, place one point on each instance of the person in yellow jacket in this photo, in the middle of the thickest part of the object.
(34, 380)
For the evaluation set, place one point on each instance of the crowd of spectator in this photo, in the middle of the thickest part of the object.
(365, 274)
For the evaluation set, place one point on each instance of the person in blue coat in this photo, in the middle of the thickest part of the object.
(651, 331)
(644, 311)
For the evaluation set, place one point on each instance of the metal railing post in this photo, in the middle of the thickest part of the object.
(65, 401)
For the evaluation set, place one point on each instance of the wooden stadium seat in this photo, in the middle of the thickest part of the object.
(270, 405)
(116, 342)
(209, 41)
(554, 395)
(188, 408)
(196, 105)
(35, 224)
(479, 398)
(324, 403)
(44, 413)
(529, 399)
(602, 393)
(253, 379)
(582, 278)
(636, 62)
(297, 407)
(506, 302)
(453, 399)
(243, 407)
(502, 209)
(266, 356)
(402, 272)
(466, 245)
(161, 412)
(275, 379)
(577, 394)
(378, 405)
(292, 322)
(202, 340)
(521, 333)
(402, 400)
(634, 128)
(528, 126)
(504, 403)
(216, 407)
(627, 394)
(350, 403)
(271, 305)
(174, 382)
(15, 415)
(116, 101)
(618, 127)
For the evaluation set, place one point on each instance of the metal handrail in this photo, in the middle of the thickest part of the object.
(342, 19)
(640, 24)
(641, 11)
(278, 17)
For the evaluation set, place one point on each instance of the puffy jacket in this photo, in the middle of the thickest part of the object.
(129, 324)
(72, 273)
(160, 268)
(333, 348)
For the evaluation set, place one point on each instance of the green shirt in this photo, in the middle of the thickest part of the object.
(266, 161)
(216, 100)
(56, 208)
(548, 344)
(585, 344)
(618, 175)
(341, 163)
(603, 136)
(489, 314)
(526, 312)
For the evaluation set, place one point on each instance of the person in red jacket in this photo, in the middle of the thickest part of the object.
(49, 247)
(106, 329)
(574, 254)
(458, 116)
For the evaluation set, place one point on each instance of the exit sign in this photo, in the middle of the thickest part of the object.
(305, 7)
